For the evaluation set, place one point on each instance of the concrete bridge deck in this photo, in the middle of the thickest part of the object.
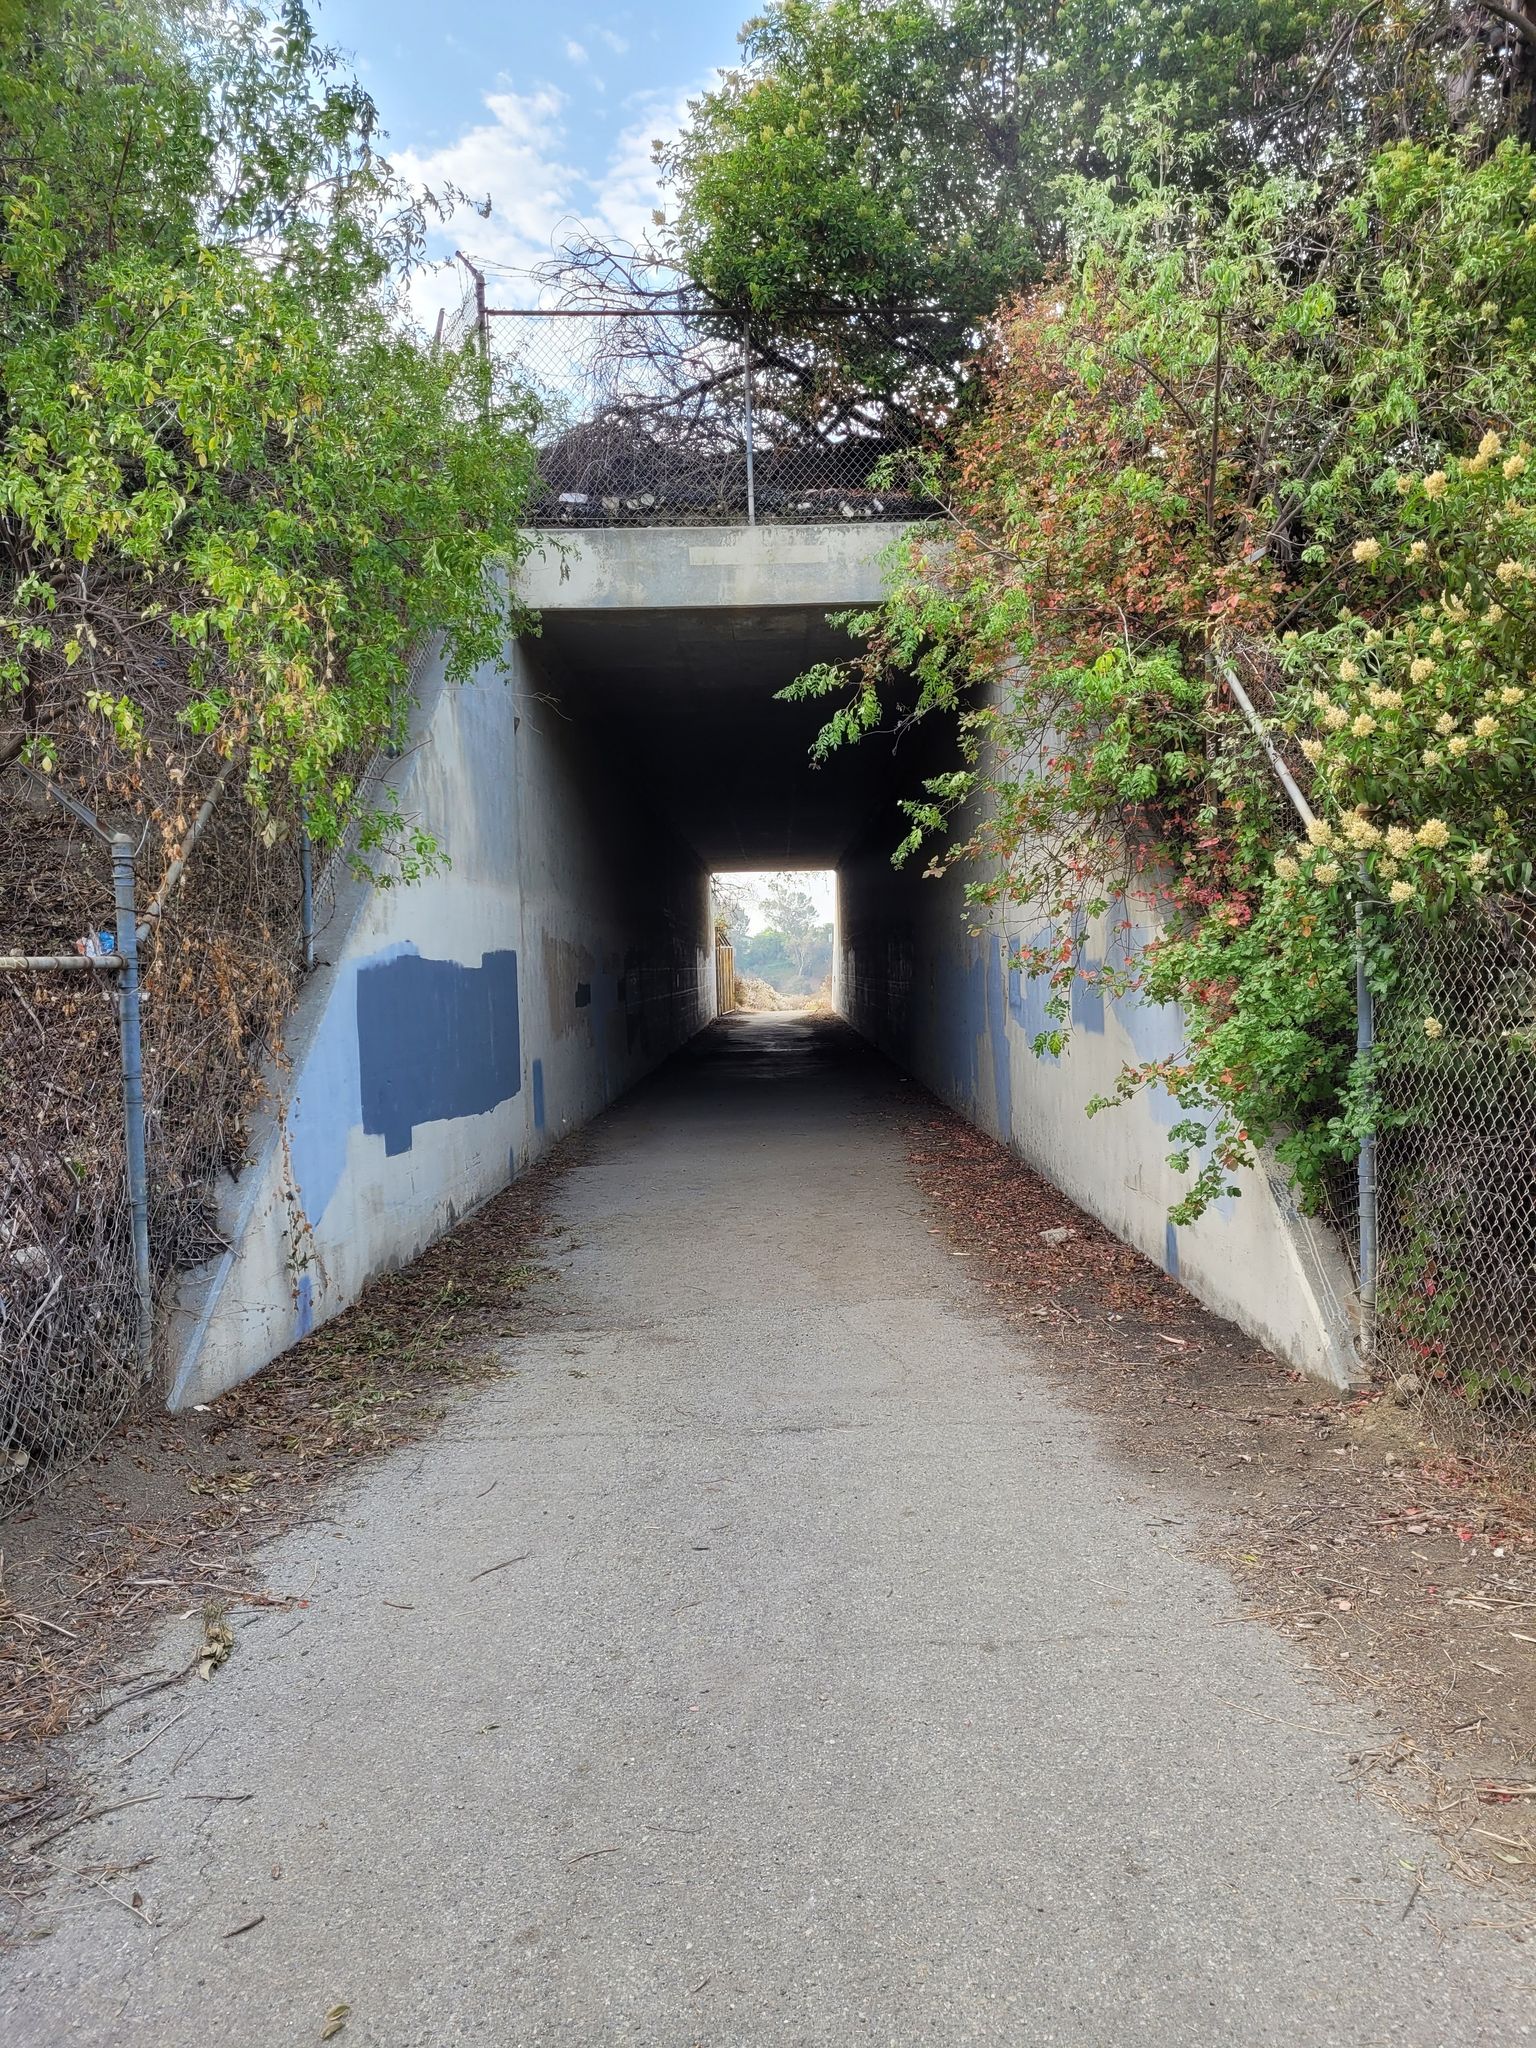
(845, 1691)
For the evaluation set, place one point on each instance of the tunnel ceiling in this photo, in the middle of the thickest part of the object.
(688, 698)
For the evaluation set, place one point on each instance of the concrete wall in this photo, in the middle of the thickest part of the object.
(687, 568)
(945, 1005)
(455, 1027)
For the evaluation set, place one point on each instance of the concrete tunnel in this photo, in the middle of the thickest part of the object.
(455, 1029)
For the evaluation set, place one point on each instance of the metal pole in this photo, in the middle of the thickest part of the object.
(746, 362)
(133, 1095)
(1283, 775)
(307, 882)
(1365, 1162)
(178, 866)
(1365, 1025)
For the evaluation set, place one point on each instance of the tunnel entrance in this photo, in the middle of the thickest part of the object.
(687, 701)
(584, 793)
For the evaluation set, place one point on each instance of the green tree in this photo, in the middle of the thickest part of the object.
(1192, 443)
(881, 175)
(791, 911)
(733, 902)
(235, 487)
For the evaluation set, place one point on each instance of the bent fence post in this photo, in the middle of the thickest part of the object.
(1365, 1022)
(133, 1094)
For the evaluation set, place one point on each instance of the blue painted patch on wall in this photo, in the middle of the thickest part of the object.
(435, 1040)
(1171, 1248)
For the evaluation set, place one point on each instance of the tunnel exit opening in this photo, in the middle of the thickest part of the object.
(775, 937)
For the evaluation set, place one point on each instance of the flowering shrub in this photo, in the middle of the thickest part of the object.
(1276, 424)
(1417, 711)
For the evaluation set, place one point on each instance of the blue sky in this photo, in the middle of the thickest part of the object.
(549, 110)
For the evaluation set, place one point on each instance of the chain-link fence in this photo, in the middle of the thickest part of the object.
(230, 911)
(1441, 1224)
(650, 416)
(68, 1361)
(220, 959)
(1455, 1083)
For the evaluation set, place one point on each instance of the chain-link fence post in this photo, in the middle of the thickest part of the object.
(1365, 1018)
(746, 364)
(133, 1095)
(1365, 1159)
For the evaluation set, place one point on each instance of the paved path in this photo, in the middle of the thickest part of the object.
(848, 1691)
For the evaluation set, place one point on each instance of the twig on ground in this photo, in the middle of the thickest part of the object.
(485, 1574)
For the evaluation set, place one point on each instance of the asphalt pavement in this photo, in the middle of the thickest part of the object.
(843, 1688)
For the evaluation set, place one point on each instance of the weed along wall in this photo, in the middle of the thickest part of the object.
(946, 1006)
(455, 1027)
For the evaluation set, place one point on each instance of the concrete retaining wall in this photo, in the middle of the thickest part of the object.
(455, 1027)
(945, 1005)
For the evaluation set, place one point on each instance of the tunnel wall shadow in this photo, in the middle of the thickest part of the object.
(945, 1004)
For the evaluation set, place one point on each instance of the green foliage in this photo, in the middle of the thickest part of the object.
(792, 963)
(904, 166)
(235, 488)
(1285, 428)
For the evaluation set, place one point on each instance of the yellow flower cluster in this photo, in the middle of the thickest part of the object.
(1478, 863)
(1313, 749)
(1457, 746)
(1362, 725)
(1359, 830)
(1319, 832)
(1418, 551)
(1399, 839)
(1385, 700)
(1433, 1028)
(1485, 727)
(1335, 718)
(1513, 694)
(1489, 447)
(1444, 724)
(1431, 757)
(1326, 872)
(1420, 669)
(1435, 483)
(1366, 550)
(1401, 892)
(1349, 672)
(1433, 832)
(1287, 868)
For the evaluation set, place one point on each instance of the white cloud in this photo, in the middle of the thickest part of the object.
(618, 44)
(519, 157)
(627, 192)
(576, 53)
